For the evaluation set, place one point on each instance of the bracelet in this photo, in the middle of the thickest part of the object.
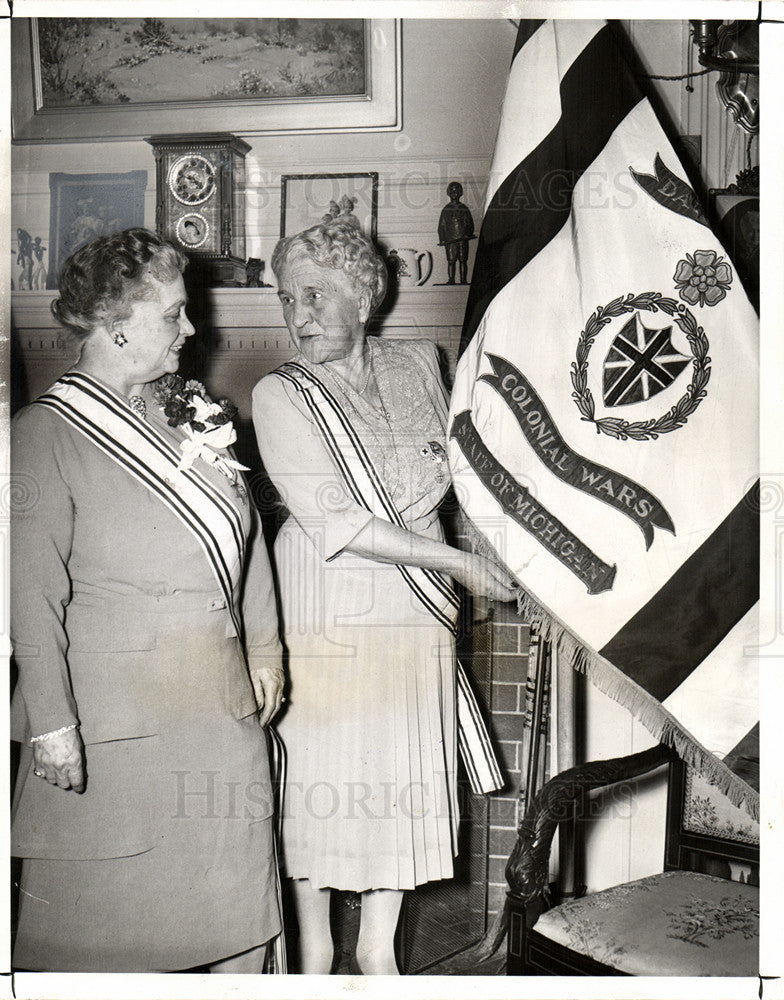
(54, 732)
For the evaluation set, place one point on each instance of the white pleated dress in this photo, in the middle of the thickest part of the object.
(370, 728)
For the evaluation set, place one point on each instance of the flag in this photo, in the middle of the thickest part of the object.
(603, 430)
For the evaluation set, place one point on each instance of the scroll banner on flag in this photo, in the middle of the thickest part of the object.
(604, 423)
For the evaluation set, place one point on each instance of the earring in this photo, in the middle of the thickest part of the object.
(120, 339)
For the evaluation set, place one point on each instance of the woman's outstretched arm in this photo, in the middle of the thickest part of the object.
(384, 542)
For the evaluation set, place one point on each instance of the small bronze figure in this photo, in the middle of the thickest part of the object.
(455, 229)
(253, 273)
(396, 266)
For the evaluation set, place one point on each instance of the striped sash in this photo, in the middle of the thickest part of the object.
(275, 962)
(105, 419)
(433, 590)
(108, 422)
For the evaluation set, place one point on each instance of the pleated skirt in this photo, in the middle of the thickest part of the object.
(370, 729)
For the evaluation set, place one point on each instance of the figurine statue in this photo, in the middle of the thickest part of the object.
(24, 258)
(455, 229)
(253, 273)
(342, 212)
(396, 266)
(38, 278)
(331, 213)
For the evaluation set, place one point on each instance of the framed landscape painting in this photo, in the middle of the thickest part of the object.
(122, 78)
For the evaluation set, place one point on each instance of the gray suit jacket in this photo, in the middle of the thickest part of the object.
(117, 624)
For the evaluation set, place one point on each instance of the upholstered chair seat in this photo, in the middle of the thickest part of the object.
(689, 920)
(676, 923)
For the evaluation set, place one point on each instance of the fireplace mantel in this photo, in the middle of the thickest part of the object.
(246, 333)
(258, 308)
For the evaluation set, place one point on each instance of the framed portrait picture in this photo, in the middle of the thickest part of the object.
(84, 206)
(737, 218)
(307, 199)
(123, 78)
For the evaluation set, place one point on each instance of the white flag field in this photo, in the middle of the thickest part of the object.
(604, 420)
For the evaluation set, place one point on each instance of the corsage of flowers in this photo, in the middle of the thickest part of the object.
(208, 425)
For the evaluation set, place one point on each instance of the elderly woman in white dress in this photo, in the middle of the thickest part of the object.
(352, 434)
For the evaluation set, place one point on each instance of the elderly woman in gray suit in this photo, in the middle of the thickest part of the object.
(145, 634)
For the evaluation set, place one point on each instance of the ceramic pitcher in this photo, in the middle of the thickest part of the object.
(414, 267)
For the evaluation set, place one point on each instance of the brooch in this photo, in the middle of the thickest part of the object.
(435, 452)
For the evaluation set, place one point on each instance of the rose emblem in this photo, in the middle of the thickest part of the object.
(703, 278)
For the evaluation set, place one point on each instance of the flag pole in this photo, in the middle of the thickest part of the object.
(570, 718)
(532, 777)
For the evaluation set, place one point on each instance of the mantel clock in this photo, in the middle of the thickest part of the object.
(200, 200)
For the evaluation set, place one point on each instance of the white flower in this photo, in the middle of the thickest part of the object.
(205, 410)
(203, 445)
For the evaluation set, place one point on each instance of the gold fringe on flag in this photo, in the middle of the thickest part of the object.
(610, 680)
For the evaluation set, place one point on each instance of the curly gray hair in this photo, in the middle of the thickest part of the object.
(342, 246)
(102, 279)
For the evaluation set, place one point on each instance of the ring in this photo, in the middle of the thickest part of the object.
(38, 774)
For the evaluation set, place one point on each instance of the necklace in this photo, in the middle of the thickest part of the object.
(238, 489)
(138, 406)
(363, 390)
(347, 383)
(383, 449)
(381, 406)
(349, 391)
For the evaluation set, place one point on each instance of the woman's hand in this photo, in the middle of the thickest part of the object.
(485, 578)
(61, 760)
(268, 685)
(390, 543)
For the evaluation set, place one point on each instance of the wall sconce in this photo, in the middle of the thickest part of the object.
(733, 50)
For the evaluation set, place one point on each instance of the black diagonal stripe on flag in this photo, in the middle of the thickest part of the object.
(711, 591)
(526, 30)
(744, 760)
(518, 222)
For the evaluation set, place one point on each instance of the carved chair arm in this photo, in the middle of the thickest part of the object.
(527, 870)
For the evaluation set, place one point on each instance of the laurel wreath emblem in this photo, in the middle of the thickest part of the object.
(642, 430)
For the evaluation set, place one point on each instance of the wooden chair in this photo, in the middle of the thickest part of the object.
(682, 922)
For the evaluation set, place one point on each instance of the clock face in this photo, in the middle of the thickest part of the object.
(193, 230)
(191, 179)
